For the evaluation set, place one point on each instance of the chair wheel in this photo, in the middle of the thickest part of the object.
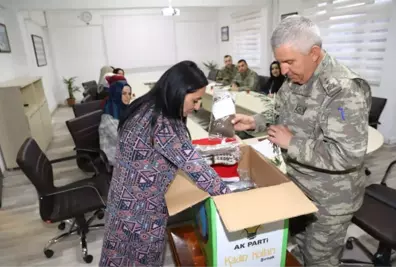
(349, 244)
(367, 172)
(49, 253)
(88, 258)
(62, 226)
(100, 215)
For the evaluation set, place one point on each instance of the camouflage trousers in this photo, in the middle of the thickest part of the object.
(322, 241)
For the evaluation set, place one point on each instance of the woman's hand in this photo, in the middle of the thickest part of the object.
(243, 122)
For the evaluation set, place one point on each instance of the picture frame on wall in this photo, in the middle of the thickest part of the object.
(225, 34)
(283, 16)
(39, 50)
(5, 46)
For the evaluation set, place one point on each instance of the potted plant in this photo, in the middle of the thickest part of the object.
(210, 65)
(71, 88)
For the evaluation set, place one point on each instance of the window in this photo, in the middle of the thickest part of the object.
(246, 36)
(354, 32)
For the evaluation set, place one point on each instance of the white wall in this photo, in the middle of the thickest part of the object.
(387, 86)
(46, 72)
(22, 61)
(226, 48)
(81, 50)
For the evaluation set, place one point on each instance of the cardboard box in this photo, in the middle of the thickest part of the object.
(260, 214)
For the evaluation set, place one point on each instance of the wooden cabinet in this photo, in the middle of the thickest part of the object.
(23, 113)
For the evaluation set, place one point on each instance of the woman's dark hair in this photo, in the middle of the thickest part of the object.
(274, 83)
(116, 70)
(167, 95)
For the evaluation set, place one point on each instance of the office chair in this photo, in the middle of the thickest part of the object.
(85, 133)
(377, 106)
(213, 75)
(90, 88)
(85, 108)
(86, 99)
(377, 217)
(262, 80)
(57, 204)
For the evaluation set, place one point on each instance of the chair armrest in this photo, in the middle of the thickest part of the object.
(102, 156)
(82, 188)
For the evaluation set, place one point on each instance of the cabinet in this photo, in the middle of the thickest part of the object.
(23, 113)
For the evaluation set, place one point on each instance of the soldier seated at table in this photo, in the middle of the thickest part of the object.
(228, 72)
(246, 79)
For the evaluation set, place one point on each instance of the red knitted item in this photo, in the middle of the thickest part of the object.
(115, 78)
(224, 171)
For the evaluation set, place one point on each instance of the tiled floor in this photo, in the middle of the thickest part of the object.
(23, 234)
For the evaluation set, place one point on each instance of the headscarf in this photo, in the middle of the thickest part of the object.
(274, 83)
(113, 103)
(104, 70)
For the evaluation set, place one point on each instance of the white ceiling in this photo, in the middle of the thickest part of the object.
(120, 4)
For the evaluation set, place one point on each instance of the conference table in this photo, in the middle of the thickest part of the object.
(248, 103)
(251, 103)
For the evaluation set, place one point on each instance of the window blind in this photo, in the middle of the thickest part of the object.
(246, 36)
(354, 32)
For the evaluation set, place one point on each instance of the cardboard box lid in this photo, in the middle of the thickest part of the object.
(276, 199)
(262, 205)
(243, 209)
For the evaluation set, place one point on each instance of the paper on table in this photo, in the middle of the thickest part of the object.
(266, 148)
(223, 108)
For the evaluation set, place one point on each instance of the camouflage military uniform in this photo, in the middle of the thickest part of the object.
(328, 117)
(226, 75)
(247, 80)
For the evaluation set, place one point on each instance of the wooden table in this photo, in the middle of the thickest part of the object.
(187, 252)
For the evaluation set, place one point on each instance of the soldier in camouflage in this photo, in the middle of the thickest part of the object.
(228, 72)
(322, 129)
(246, 79)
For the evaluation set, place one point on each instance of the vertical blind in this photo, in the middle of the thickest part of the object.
(246, 36)
(354, 32)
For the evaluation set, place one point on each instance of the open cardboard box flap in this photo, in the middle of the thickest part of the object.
(277, 198)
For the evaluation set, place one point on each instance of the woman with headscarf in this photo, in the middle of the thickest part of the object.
(118, 99)
(275, 81)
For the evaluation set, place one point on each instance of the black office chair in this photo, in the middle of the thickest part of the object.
(262, 80)
(86, 99)
(85, 108)
(377, 106)
(213, 75)
(377, 217)
(57, 204)
(85, 133)
(90, 88)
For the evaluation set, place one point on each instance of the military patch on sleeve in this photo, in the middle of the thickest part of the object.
(342, 113)
(300, 110)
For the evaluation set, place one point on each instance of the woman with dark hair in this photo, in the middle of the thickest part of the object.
(119, 71)
(153, 144)
(276, 80)
(119, 96)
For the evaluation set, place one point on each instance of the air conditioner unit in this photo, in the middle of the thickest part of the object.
(170, 11)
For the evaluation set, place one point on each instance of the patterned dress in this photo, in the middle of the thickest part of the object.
(136, 216)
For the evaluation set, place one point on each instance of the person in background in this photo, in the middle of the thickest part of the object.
(119, 96)
(104, 70)
(228, 72)
(322, 130)
(275, 81)
(245, 79)
(119, 71)
(153, 144)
